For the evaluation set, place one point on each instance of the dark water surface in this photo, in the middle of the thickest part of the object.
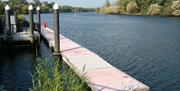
(17, 65)
(147, 48)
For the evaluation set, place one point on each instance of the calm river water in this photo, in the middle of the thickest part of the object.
(147, 48)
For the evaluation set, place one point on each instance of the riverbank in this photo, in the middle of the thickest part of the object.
(142, 8)
(137, 14)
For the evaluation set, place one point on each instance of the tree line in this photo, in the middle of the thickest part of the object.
(142, 7)
(21, 6)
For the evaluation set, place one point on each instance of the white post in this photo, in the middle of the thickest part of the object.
(39, 19)
(8, 23)
(31, 32)
(56, 32)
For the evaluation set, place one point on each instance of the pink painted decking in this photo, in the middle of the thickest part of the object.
(101, 75)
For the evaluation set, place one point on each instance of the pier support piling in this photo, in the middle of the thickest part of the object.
(8, 24)
(56, 32)
(31, 32)
(39, 19)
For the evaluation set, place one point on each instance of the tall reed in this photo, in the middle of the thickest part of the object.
(52, 77)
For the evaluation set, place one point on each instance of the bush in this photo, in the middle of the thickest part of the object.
(176, 13)
(154, 9)
(22, 22)
(132, 7)
(47, 78)
(176, 8)
(167, 10)
(175, 5)
(114, 10)
(106, 4)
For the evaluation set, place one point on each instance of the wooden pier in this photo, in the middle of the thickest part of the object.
(10, 34)
(101, 75)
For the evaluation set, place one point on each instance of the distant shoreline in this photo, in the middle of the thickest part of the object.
(141, 15)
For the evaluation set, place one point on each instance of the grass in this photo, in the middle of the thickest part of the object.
(54, 77)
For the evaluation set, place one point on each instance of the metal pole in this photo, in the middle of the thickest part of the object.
(39, 19)
(31, 32)
(56, 31)
(8, 24)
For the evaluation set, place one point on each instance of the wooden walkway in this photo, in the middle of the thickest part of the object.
(20, 38)
(101, 75)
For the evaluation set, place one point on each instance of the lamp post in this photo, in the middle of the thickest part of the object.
(39, 19)
(31, 32)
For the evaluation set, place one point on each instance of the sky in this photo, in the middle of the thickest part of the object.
(80, 3)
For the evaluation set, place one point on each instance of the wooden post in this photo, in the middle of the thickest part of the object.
(56, 32)
(31, 32)
(8, 24)
(39, 19)
(16, 24)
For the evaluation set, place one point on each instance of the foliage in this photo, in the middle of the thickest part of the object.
(23, 9)
(142, 7)
(132, 7)
(154, 9)
(176, 13)
(114, 10)
(22, 21)
(98, 10)
(175, 5)
(50, 78)
(122, 3)
(176, 8)
(107, 4)
(73, 9)
(17, 4)
(37, 2)
(1, 7)
(21, 6)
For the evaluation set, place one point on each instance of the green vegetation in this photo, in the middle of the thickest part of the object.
(142, 7)
(52, 78)
(21, 6)
(73, 9)
(22, 21)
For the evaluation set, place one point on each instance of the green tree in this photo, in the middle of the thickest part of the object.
(154, 9)
(107, 4)
(16, 4)
(132, 7)
(37, 2)
(1, 7)
(122, 3)
(97, 10)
